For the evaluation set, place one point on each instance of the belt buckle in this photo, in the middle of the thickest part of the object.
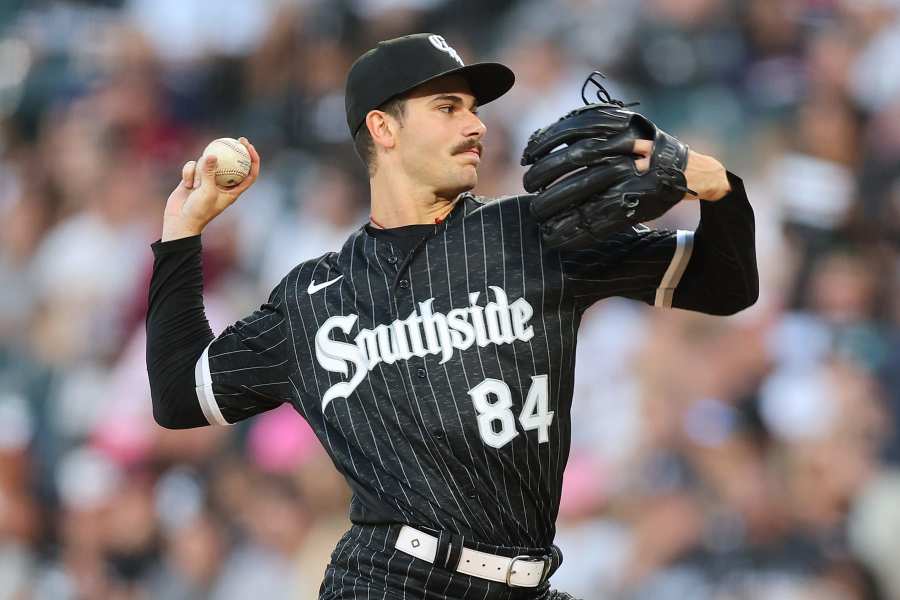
(545, 569)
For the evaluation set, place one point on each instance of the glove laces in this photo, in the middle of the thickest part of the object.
(602, 94)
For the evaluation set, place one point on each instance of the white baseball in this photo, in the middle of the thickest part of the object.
(233, 161)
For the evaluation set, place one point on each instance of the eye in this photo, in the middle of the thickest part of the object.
(448, 108)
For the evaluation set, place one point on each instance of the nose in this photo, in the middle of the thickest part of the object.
(475, 127)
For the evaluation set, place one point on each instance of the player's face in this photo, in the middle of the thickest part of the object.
(439, 144)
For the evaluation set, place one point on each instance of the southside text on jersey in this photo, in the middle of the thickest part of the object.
(500, 322)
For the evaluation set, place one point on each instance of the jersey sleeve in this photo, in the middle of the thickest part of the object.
(641, 264)
(711, 270)
(177, 332)
(722, 276)
(246, 370)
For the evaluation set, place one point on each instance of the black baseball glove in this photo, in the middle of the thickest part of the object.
(591, 187)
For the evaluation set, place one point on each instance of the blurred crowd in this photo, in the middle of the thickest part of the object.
(754, 456)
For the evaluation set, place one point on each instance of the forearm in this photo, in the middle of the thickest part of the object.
(177, 332)
(721, 277)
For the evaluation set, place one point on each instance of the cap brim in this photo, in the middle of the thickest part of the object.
(487, 81)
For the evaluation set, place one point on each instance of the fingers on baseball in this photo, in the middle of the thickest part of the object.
(254, 167)
(254, 161)
(206, 174)
(187, 174)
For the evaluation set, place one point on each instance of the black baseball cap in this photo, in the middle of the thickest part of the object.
(398, 65)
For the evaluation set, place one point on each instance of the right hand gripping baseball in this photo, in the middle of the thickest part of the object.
(198, 199)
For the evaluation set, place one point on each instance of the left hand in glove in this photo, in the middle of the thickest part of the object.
(592, 186)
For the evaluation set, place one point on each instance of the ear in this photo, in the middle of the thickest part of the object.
(383, 128)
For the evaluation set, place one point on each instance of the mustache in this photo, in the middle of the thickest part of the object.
(469, 146)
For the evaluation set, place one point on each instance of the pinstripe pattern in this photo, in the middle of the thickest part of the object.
(407, 435)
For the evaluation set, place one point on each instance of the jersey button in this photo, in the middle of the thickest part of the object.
(472, 495)
(438, 434)
(392, 260)
(404, 283)
(421, 373)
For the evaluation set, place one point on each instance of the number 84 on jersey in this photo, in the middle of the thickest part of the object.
(492, 400)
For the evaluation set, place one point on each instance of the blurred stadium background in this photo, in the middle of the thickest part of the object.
(749, 457)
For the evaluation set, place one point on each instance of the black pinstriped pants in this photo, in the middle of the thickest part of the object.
(366, 565)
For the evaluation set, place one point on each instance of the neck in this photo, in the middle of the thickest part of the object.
(397, 203)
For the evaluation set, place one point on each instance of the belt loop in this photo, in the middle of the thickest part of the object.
(556, 559)
(449, 550)
(455, 554)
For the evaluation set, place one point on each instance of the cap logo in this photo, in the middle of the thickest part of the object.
(441, 44)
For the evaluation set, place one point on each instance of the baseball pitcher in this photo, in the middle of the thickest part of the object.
(433, 353)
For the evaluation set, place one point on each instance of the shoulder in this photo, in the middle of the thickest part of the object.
(305, 272)
(508, 218)
(475, 201)
(476, 204)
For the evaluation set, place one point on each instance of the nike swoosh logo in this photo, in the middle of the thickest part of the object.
(315, 287)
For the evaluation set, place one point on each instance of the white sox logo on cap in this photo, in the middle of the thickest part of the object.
(441, 44)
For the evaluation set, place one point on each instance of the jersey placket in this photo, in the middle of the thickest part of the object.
(400, 269)
(411, 291)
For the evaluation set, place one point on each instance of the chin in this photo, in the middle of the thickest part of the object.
(459, 190)
(464, 184)
(469, 180)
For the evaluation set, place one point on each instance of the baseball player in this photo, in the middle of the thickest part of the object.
(432, 354)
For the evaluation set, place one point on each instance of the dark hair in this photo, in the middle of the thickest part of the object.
(365, 146)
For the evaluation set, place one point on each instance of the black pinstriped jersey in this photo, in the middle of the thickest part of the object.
(440, 381)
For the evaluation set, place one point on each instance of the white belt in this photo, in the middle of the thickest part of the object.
(520, 571)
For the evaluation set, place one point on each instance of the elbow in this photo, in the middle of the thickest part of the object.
(162, 405)
(163, 418)
(167, 420)
(741, 297)
(751, 292)
(735, 308)
(167, 414)
(753, 295)
(738, 302)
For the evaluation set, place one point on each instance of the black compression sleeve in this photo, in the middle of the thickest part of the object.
(721, 277)
(177, 332)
